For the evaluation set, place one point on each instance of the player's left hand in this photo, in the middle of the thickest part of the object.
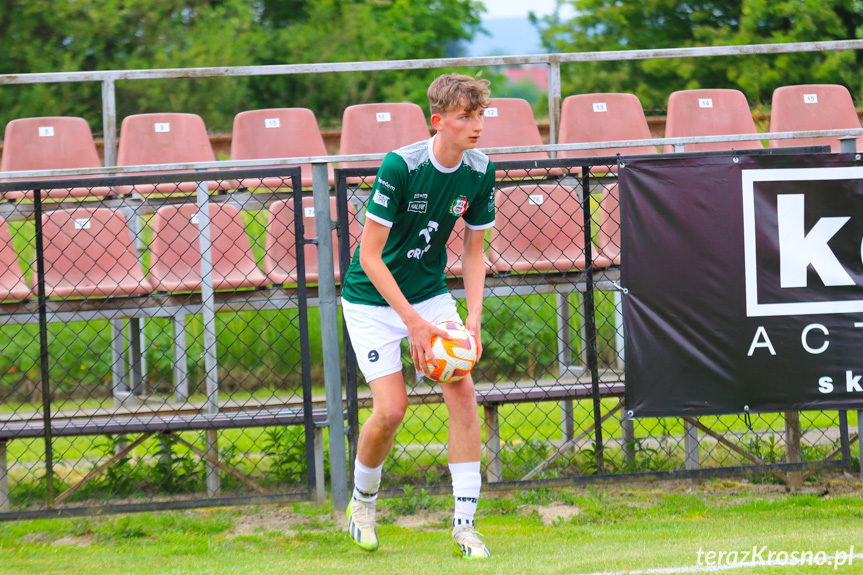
(474, 327)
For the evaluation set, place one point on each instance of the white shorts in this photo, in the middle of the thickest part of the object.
(377, 332)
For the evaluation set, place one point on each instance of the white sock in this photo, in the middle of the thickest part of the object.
(367, 481)
(466, 483)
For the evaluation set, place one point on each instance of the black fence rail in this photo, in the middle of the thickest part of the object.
(155, 343)
(551, 380)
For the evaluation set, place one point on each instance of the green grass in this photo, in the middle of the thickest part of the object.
(584, 531)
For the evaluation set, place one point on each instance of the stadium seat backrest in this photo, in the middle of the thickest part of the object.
(710, 113)
(278, 133)
(538, 228)
(603, 118)
(165, 138)
(454, 248)
(812, 107)
(280, 261)
(381, 128)
(12, 284)
(175, 263)
(89, 252)
(510, 122)
(50, 143)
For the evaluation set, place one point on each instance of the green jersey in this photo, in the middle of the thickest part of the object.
(420, 201)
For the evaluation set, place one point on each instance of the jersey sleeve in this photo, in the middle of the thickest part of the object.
(480, 213)
(389, 190)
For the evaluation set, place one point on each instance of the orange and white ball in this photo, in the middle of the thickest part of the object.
(454, 356)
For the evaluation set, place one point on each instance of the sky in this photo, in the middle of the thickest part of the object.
(510, 32)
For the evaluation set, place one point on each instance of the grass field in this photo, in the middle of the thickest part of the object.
(626, 529)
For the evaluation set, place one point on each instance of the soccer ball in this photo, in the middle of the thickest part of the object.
(454, 356)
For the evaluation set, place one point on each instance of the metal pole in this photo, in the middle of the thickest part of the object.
(330, 335)
(4, 479)
(109, 122)
(690, 440)
(860, 443)
(590, 321)
(181, 369)
(554, 102)
(211, 360)
(43, 351)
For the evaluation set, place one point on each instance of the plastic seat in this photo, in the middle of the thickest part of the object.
(175, 264)
(278, 133)
(380, 128)
(12, 284)
(89, 252)
(51, 143)
(165, 139)
(603, 118)
(710, 113)
(280, 261)
(510, 122)
(538, 228)
(608, 238)
(454, 248)
(812, 107)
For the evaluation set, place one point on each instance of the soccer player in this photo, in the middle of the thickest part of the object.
(395, 288)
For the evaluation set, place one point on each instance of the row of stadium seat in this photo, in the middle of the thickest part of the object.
(65, 142)
(90, 252)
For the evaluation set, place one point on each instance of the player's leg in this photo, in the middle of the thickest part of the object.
(376, 334)
(465, 442)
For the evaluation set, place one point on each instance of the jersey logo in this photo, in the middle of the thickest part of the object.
(459, 206)
(380, 199)
(418, 207)
(426, 233)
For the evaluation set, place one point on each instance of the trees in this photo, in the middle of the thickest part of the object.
(82, 35)
(613, 25)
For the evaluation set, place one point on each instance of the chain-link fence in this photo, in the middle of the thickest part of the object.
(160, 348)
(550, 382)
(155, 342)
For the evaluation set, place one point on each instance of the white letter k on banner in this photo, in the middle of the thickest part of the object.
(798, 249)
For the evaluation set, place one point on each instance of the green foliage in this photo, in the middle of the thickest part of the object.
(70, 36)
(600, 25)
(286, 451)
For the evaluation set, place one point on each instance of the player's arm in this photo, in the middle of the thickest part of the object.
(420, 331)
(474, 282)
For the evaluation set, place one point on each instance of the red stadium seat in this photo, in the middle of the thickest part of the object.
(51, 143)
(175, 264)
(608, 237)
(12, 284)
(510, 122)
(710, 113)
(165, 139)
(89, 252)
(812, 107)
(603, 118)
(381, 128)
(538, 228)
(280, 261)
(454, 248)
(278, 133)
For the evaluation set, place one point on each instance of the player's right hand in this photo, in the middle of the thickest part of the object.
(420, 333)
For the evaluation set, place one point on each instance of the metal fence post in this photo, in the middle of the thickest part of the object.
(109, 122)
(554, 102)
(690, 442)
(211, 360)
(330, 336)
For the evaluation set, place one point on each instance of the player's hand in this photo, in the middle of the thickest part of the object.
(420, 333)
(474, 327)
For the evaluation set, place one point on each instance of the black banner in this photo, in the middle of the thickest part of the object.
(743, 281)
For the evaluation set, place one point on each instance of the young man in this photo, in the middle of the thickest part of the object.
(395, 288)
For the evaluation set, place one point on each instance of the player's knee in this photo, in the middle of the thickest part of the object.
(391, 415)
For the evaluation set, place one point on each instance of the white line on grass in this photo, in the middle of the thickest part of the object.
(709, 568)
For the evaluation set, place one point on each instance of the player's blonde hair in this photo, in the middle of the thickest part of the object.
(448, 91)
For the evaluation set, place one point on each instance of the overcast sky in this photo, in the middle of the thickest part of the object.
(518, 8)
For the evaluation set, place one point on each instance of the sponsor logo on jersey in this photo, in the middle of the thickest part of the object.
(387, 185)
(459, 206)
(421, 196)
(418, 207)
(380, 199)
